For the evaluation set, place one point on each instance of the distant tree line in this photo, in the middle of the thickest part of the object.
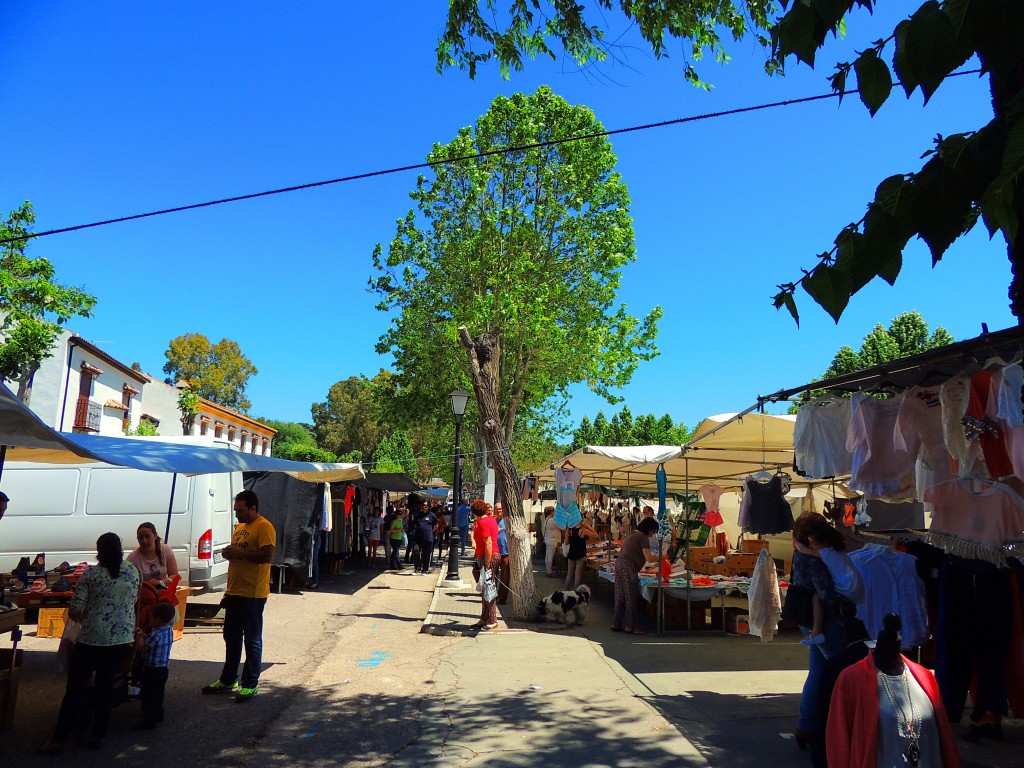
(623, 429)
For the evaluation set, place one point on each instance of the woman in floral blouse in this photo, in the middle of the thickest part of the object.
(104, 602)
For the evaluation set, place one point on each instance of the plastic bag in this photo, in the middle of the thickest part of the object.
(486, 585)
(68, 639)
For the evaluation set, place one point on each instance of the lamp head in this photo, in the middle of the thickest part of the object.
(460, 399)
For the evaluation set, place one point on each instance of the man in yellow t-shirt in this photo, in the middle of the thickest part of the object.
(249, 557)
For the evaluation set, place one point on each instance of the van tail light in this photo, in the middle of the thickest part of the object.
(206, 545)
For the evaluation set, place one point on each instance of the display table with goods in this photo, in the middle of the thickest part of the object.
(680, 587)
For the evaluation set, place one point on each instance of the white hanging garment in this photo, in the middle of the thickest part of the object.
(763, 598)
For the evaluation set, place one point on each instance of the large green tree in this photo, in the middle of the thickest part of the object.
(350, 419)
(33, 306)
(395, 453)
(966, 177)
(517, 256)
(289, 435)
(219, 372)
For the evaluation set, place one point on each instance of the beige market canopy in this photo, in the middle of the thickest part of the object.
(724, 450)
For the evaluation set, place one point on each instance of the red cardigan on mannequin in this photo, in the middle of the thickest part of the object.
(851, 739)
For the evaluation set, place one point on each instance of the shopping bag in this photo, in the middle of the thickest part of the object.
(490, 588)
(67, 644)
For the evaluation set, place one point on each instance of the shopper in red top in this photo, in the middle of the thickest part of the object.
(485, 538)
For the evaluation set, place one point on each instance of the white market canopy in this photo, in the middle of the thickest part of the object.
(28, 439)
(724, 450)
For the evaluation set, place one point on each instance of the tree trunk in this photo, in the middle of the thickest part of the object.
(28, 373)
(483, 361)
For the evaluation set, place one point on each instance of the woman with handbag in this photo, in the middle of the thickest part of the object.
(485, 539)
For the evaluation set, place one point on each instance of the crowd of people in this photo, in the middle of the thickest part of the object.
(414, 533)
(860, 706)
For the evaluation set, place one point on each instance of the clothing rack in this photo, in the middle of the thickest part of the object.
(966, 356)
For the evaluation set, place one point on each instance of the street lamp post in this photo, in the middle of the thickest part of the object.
(460, 399)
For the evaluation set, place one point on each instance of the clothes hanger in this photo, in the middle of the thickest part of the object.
(567, 463)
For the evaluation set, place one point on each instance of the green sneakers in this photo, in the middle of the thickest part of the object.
(246, 694)
(219, 687)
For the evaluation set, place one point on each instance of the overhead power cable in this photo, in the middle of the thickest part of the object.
(461, 158)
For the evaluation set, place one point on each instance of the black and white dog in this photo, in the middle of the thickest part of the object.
(566, 606)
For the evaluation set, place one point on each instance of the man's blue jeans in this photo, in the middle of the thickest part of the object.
(243, 625)
(834, 645)
(464, 538)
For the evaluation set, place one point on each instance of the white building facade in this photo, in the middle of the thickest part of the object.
(81, 388)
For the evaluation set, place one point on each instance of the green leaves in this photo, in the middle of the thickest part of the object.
(928, 49)
(830, 287)
(873, 80)
(507, 30)
(33, 305)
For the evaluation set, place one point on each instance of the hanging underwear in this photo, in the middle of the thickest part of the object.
(567, 517)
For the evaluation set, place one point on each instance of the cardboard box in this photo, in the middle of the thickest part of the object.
(179, 628)
(754, 546)
(11, 619)
(699, 557)
(739, 564)
(51, 622)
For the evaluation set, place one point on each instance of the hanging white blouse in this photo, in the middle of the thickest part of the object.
(918, 431)
(1007, 395)
(879, 469)
(1008, 398)
(954, 396)
(819, 438)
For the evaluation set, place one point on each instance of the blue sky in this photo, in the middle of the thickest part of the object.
(122, 107)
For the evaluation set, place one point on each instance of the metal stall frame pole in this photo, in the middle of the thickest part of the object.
(662, 511)
(170, 509)
(686, 541)
(3, 459)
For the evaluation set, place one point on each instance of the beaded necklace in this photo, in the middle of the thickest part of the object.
(908, 725)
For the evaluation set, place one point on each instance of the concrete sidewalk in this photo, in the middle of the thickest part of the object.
(537, 694)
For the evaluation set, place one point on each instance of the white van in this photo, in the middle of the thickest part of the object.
(61, 509)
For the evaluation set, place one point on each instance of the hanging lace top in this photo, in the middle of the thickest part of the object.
(918, 431)
(819, 438)
(976, 518)
(954, 395)
(879, 469)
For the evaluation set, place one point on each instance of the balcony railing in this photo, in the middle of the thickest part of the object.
(87, 415)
